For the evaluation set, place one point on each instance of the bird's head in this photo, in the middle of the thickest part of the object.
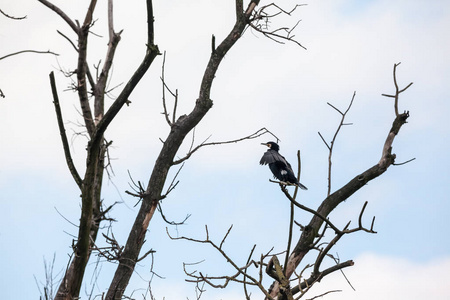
(272, 145)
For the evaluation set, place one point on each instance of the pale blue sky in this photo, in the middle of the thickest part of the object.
(352, 46)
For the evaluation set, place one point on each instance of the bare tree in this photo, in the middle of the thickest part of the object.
(91, 90)
(314, 234)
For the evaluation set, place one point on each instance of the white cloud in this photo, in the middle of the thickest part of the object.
(373, 276)
(382, 277)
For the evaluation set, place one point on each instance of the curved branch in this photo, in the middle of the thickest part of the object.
(308, 282)
(61, 14)
(12, 17)
(174, 95)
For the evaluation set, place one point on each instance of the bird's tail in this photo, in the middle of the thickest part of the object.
(302, 186)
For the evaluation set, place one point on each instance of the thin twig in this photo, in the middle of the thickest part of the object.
(313, 279)
(68, 39)
(326, 293)
(171, 222)
(164, 87)
(261, 19)
(403, 163)
(247, 296)
(254, 135)
(314, 212)
(29, 51)
(12, 17)
(291, 215)
(331, 145)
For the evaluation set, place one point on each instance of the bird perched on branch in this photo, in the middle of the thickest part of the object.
(279, 166)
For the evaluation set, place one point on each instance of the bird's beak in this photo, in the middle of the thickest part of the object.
(265, 144)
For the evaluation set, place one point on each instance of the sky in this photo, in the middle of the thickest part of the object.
(351, 47)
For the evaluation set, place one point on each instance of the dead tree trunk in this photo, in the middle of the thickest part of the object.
(165, 160)
(90, 185)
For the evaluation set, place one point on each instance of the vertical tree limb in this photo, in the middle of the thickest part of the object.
(291, 215)
(62, 132)
(100, 87)
(81, 80)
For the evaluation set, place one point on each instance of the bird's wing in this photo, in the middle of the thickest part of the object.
(269, 157)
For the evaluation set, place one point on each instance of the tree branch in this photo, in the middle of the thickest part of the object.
(310, 281)
(150, 55)
(100, 87)
(12, 17)
(397, 90)
(61, 14)
(310, 210)
(29, 51)
(81, 80)
(331, 145)
(90, 12)
(62, 132)
(291, 216)
(260, 21)
(164, 88)
(254, 135)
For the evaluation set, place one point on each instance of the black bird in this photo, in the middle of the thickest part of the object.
(279, 166)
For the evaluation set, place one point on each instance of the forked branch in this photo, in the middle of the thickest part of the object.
(262, 18)
(398, 91)
(331, 145)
